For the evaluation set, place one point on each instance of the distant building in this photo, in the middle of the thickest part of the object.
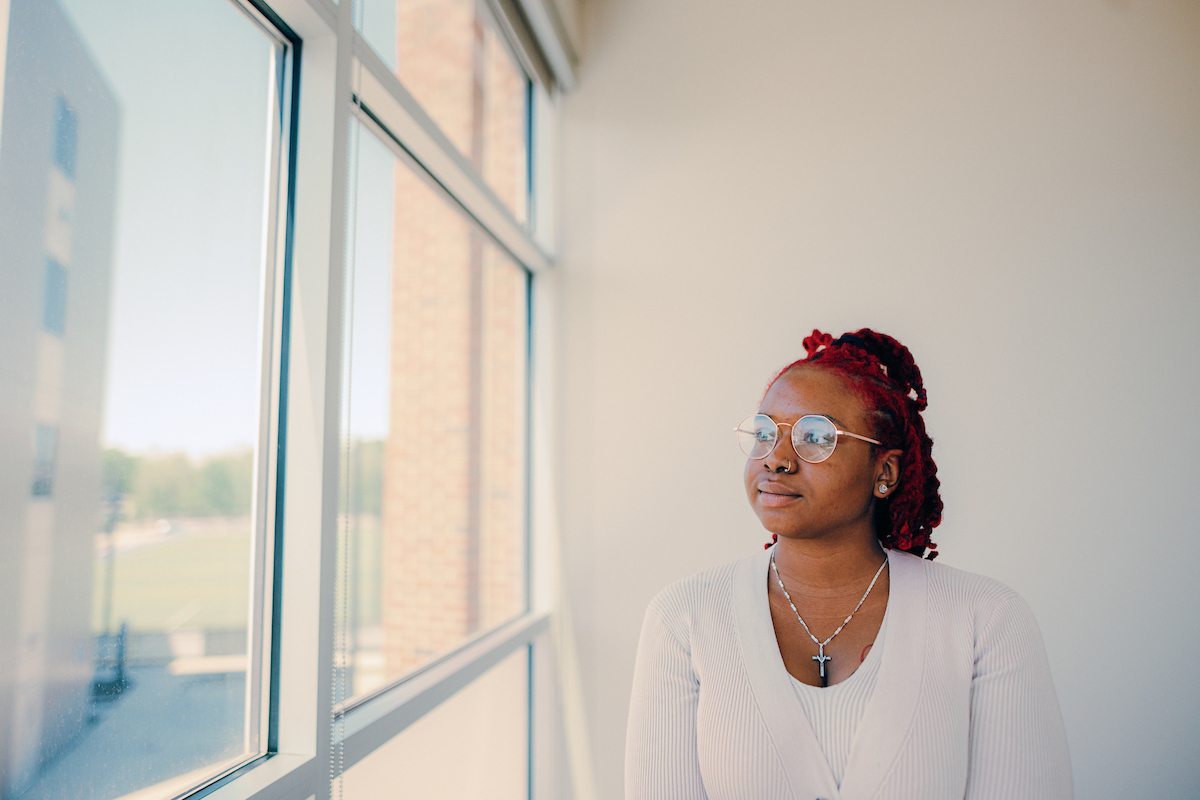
(58, 166)
(453, 514)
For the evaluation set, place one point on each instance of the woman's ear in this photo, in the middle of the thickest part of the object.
(887, 472)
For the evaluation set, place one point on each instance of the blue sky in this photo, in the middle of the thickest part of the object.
(193, 80)
(370, 287)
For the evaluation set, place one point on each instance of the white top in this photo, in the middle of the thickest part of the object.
(834, 712)
(963, 708)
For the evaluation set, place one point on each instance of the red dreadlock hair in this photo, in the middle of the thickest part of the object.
(883, 373)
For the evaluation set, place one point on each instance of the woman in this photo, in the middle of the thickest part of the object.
(838, 663)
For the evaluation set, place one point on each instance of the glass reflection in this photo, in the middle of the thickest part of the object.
(131, 242)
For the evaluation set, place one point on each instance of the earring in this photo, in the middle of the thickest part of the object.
(883, 487)
(789, 469)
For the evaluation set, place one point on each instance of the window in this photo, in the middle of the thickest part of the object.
(433, 497)
(265, 383)
(66, 138)
(54, 302)
(136, 174)
(451, 57)
(45, 450)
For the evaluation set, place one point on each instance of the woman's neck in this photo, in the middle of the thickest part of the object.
(820, 565)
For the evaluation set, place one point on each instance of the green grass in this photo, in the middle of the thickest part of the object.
(209, 574)
(205, 573)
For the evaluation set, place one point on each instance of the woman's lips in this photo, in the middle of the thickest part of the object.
(773, 495)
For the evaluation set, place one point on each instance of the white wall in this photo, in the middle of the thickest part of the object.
(1011, 189)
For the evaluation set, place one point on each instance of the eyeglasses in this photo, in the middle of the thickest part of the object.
(813, 436)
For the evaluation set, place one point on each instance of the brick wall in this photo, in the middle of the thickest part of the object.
(453, 495)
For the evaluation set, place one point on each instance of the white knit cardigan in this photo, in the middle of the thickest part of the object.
(963, 707)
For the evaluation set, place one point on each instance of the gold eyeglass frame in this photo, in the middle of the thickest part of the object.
(836, 430)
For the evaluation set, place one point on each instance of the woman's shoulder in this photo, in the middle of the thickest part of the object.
(963, 591)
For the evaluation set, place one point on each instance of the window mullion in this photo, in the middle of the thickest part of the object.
(308, 557)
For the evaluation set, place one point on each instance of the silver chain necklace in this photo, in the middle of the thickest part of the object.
(820, 657)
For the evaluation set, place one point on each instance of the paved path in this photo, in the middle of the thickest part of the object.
(165, 726)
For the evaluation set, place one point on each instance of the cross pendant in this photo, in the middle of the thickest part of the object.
(821, 658)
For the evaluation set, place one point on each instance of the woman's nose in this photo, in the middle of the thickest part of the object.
(782, 458)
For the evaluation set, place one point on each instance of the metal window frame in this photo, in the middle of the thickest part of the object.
(372, 723)
(333, 76)
(296, 660)
(539, 32)
(261, 716)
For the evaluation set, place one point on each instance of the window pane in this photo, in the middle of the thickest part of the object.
(433, 487)
(476, 744)
(132, 164)
(448, 54)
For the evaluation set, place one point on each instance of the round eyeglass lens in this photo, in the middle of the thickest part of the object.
(756, 435)
(814, 438)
